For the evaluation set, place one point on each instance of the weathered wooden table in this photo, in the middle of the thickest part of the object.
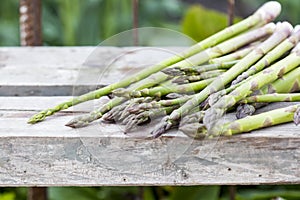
(50, 154)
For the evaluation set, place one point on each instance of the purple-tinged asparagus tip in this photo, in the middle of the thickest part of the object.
(297, 116)
(244, 110)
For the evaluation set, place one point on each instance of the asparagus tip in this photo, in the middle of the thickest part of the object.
(37, 118)
(297, 116)
(77, 122)
(211, 116)
(244, 110)
(161, 128)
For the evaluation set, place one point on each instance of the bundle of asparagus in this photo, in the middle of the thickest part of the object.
(244, 65)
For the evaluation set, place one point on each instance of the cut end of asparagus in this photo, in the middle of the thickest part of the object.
(269, 11)
(297, 116)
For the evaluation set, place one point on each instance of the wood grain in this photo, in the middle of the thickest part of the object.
(59, 71)
(48, 153)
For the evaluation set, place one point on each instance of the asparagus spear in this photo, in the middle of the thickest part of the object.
(264, 77)
(198, 130)
(266, 119)
(209, 67)
(274, 97)
(273, 55)
(263, 15)
(237, 55)
(163, 90)
(158, 104)
(202, 76)
(282, 31)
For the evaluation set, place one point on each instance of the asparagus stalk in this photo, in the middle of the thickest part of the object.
(198, 130)
(266, 119)
(163, 90)
(158, 104)
(204, 75)
(237, 55)
(282, 31)
(263, 15)
(270, 98)
(264, 77)
(273, 55)
(209, 67)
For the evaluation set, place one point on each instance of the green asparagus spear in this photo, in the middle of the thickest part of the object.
(202, 76)
(162, 90)
(265, 119)
(158, 104)
(274, 97)
(263, 15)
(282, 31)
(198, 130)
(204, 68)
(237, 55)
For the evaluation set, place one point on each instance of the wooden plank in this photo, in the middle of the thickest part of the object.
(50, 154)
(48, 71)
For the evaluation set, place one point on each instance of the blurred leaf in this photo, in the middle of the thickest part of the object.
(7, 196)
(199, 22)
(267, 194)
(148, 194)
(74, 193)
(92, 193)
(195, 193)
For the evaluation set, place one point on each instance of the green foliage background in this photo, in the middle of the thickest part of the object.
(88, 22)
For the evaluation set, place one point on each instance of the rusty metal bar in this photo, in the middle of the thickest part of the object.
(30, 23)
(230, 11)
(37, 193)
(135, 13)
(31, 35)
